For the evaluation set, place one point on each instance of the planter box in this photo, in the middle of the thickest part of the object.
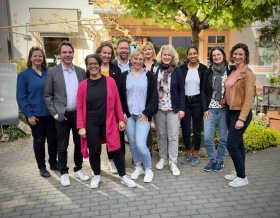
(274, 120)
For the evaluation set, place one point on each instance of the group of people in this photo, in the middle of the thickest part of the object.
(127, 94)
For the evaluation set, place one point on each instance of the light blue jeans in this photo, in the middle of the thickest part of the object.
(137, 137)
(217, 116)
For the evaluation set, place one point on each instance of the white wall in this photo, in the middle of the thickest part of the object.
(20, 16)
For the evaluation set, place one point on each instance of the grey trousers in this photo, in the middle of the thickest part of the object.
(167, 126)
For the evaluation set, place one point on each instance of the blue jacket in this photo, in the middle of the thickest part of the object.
(177, 89)
(30, 93)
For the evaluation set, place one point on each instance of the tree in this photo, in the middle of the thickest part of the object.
(199, 15)
(269, 39)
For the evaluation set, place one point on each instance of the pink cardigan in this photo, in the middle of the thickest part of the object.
(113, 109)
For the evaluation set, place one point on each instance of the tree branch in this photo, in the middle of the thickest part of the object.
(206, 17)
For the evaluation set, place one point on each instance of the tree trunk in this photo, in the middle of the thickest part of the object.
(195, 38)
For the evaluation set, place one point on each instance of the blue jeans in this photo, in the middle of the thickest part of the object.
(217, 116)
(137, 137)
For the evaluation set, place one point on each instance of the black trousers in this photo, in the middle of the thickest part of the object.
(63, 134)
(194, 116)
(235, 144)
(122, 141)
(44, 129)
(93, 142)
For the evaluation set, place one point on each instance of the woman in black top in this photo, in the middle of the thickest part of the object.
(192, 73)
(106, 52)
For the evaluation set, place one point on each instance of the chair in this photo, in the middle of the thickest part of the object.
(255, 100)
(271, 97)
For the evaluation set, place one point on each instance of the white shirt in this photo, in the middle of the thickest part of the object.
(192, 83)
(123, 67)
(71, 83)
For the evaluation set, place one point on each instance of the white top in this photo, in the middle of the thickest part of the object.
(192, 83)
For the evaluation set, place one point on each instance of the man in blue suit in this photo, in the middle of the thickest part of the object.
(61, 87)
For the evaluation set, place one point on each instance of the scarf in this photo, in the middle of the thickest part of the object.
(218, 72)
(163, 83)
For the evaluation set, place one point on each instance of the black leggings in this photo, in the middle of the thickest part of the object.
(93, 141)
(122, 146)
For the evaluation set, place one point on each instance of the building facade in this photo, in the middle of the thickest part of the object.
(47, 23)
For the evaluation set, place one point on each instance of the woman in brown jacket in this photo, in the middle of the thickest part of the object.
(239, 93)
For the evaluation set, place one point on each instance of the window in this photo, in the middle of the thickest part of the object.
(51, 48)
(215, 41)
(158, 41)
(264, 58)
(181, 42)
(265, 54)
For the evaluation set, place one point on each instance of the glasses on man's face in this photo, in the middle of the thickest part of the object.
(93, 64)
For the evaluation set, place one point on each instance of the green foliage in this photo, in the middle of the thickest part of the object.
(257, 138)
(200, 15)
(21, 63)
(260, 122)
(15, 133)
(274, 78)
(182, 55)
(270, 39)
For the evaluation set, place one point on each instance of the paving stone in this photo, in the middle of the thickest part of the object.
(193, 194)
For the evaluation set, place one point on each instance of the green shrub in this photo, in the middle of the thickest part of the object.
(256, 137)
(15, 133)
(21, 63)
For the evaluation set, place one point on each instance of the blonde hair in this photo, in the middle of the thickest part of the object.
(147, 45)
(136, 52)
(174, 54)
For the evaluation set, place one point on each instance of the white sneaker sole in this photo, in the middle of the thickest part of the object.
(129, 186)
(80, 178)
(161, 167)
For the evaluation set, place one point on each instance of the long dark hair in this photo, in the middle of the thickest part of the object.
(223, 53)
(35, 48)
(189, 48)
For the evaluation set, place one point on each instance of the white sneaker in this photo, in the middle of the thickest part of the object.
(231, 176)
(174, 169)
(149, 175)
(137, 172)
(128, 182)
(112, 167)
(238, 182)
(95, 181)
(81, 175)
(161, 164)
(64, 180)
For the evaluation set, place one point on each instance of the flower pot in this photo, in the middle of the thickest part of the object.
(274, 120)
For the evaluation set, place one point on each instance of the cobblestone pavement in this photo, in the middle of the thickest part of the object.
(24, 193)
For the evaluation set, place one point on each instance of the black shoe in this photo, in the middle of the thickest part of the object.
(44, 172)
(54, 167)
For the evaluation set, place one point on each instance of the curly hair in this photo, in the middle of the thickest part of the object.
(245, 49)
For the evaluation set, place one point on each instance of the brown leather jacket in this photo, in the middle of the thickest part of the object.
(242, 92)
